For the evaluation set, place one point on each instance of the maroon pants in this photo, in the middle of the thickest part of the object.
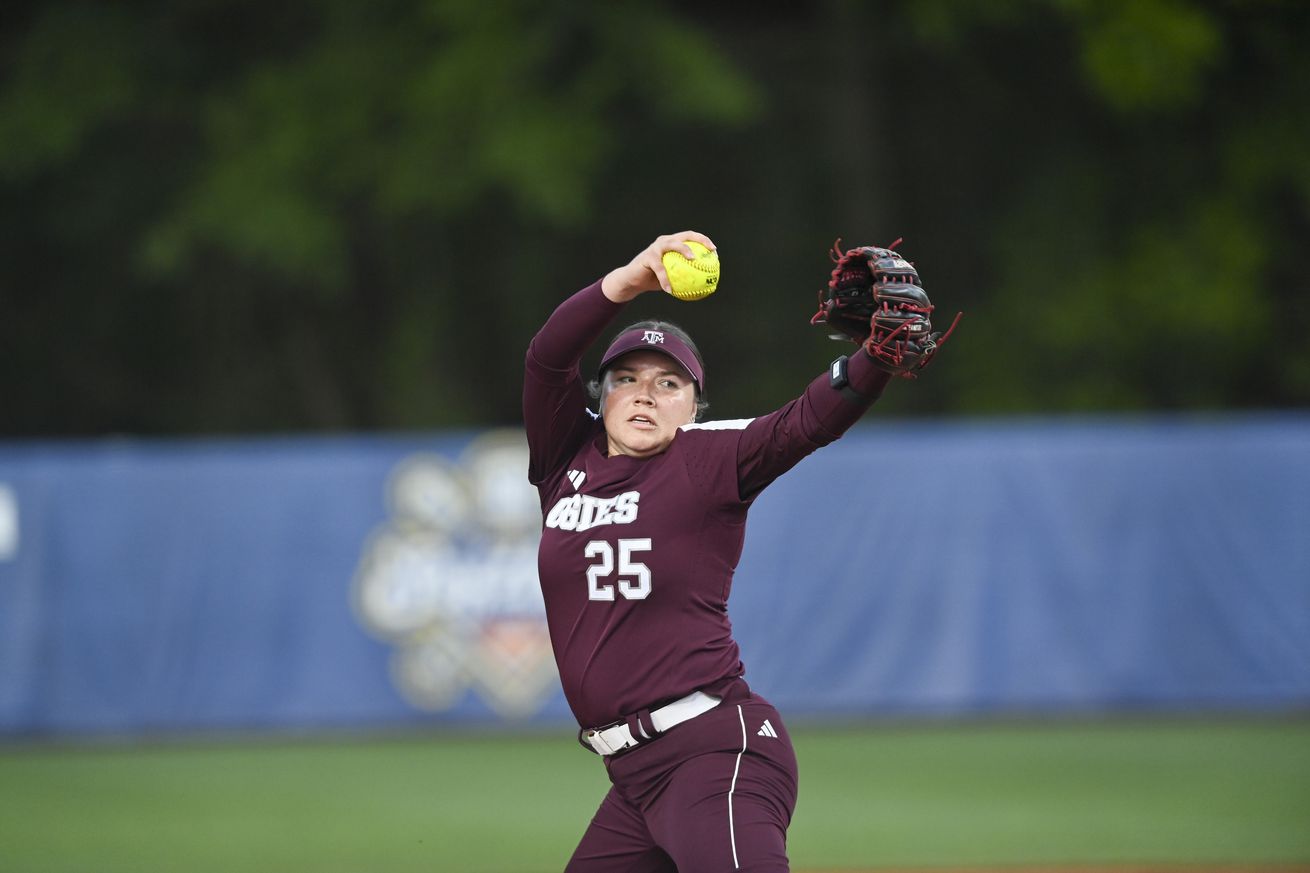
(714, 794)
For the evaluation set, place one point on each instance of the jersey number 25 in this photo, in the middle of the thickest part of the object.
(633, 576)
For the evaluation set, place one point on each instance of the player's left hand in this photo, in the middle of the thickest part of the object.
(874, 297)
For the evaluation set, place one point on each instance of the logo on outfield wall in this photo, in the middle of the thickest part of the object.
(8, 523)
(450, 580)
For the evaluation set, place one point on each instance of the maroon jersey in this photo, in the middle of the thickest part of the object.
(637, 555)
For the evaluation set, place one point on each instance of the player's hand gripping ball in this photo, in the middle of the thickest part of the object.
(692, 278)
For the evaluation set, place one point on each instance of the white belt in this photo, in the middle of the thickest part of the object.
(607, 741)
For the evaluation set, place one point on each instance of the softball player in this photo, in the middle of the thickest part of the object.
(644, 517)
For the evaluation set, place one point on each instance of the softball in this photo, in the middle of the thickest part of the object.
(692, 278)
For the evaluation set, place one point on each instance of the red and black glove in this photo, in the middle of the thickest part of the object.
(874, 298)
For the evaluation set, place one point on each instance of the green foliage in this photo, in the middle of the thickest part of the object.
(320, 215)
(71, 73)
(1141, 261)
(292, 182)
(426, 114)
(1148, 54)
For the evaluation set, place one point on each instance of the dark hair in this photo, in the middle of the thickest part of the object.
(594, 386)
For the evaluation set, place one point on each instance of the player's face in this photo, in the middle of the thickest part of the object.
(647, 396)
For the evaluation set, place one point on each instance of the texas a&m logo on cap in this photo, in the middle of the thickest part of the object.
(653, 337)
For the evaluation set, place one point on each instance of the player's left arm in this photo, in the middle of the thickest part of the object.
(772, 444)
(876, 298)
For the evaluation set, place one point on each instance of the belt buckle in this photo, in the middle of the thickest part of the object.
(587, 735)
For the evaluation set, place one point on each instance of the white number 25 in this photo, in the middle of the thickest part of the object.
(603, 566)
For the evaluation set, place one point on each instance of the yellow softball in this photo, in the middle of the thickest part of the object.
(692, 278)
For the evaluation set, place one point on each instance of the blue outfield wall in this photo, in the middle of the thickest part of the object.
(947, 568)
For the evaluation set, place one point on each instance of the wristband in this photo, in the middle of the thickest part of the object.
(840, 381)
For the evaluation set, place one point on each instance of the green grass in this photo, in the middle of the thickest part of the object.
(1178, 791)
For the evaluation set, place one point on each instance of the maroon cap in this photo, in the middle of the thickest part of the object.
(651, 340)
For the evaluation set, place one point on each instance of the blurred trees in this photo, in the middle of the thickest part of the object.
(225, 216)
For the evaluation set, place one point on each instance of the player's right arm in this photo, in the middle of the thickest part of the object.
(645, 272)
(554, 400)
